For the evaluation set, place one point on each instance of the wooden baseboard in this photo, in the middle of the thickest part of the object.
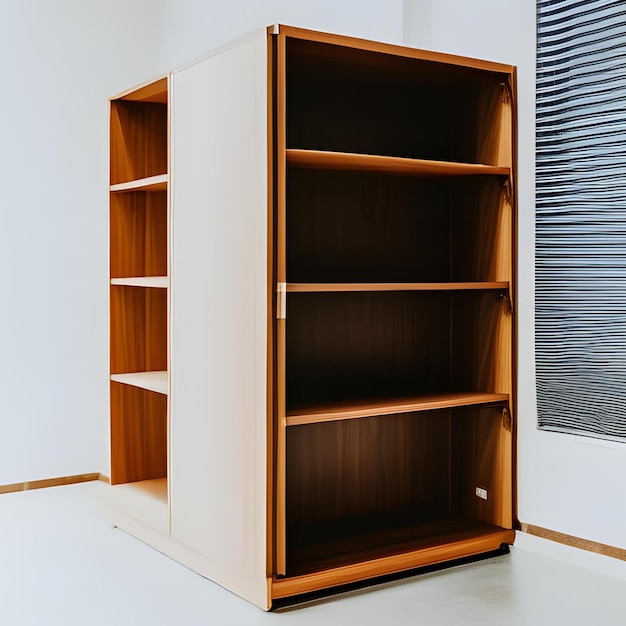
(575, 542)
(52, 482)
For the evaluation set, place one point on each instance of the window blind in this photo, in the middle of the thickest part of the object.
(580, 312)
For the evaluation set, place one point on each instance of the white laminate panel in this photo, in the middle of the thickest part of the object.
(159, 282)
(152, 183)
(219, 314)
(145, 501)
(152, 381)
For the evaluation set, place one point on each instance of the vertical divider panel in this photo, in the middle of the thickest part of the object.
(218, 378)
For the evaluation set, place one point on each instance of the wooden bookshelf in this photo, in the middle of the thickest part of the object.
(312, 311)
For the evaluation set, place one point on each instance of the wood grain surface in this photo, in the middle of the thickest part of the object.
(358, 489)
(359, 101)
(382, 467)
(443, 547)
(444, 65)
(346, 227)
(151, 92)
(138, 140)
(481, 457)
(280, 435)
(138, 329)
(325, 160)
(138, 234)
(331, 412)
(451, 286)
(138, 434)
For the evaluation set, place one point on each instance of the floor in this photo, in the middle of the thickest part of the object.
(61, 563)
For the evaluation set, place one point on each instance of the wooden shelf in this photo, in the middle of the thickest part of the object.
(318, 159)
(446, 548)
(332, 287)
(151, 183)
(159, 282)
(330, 412)
(330, 545)
(152, 381)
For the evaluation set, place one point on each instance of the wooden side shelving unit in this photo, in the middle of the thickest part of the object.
(139, 302)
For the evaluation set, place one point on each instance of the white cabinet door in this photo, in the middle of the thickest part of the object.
(219, 267)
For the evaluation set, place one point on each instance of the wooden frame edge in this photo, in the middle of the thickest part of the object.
(270, 554)
(280, 165)
(141, 86)
(52, 482)
(389, 48)
(286, 587)
(574, 542)
(513, 294)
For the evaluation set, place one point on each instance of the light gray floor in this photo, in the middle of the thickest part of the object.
(60, 563)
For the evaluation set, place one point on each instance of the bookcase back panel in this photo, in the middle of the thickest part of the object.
(347, 227)
(393, 464)
(138, 140)
(361, 345)
(351, 227)
(348, 100)
(138, 234)
(138, 434)
(138, 329)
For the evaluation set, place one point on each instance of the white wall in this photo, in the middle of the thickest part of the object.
(191, 28)
(59, 62)
(573, 485)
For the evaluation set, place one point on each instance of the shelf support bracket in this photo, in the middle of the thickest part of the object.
(507, 192)
(506, 92)
(281, 301)
(506, 302)
(506, 418)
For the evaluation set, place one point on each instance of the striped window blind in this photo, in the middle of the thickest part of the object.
(580, 309)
